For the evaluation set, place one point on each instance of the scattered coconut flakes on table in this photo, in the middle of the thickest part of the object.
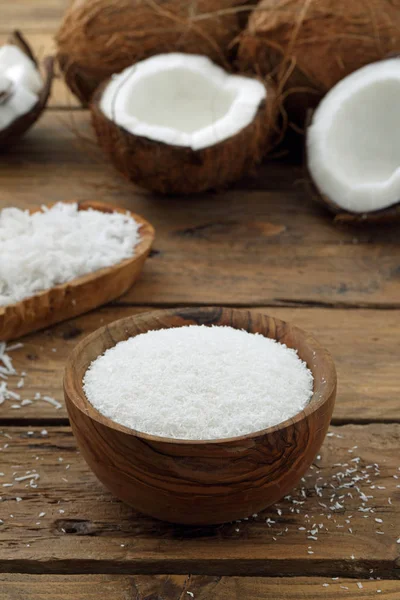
(348, 482)
(10, 376)
(347, 479)
(319, 523)
(52, 401)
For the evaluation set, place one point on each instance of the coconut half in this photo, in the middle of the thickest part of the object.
(353, 142)
(23, 92)
(177, 123)
(98, 38)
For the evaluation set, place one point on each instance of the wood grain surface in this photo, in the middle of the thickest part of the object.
(180, 587)
(86, 530)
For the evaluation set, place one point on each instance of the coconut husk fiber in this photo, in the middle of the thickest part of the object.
(98, 38)
(168, 169)
(310, 45)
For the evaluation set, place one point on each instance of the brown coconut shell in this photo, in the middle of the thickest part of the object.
(98, 38)
(310, 45)
(169, 169)
(24, 122)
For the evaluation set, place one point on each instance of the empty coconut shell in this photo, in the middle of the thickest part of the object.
(98, 38)
(22, 123)
(309, 46)
(155, 153)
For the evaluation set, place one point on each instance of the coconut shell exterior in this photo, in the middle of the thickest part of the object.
(310, 46)
(168, 169)
(98, 38)
(18, 127)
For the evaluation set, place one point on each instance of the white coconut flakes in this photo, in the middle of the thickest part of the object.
(199, 382)
(41, 250)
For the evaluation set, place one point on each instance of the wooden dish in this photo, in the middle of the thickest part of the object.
(200, 482)
(80, 294)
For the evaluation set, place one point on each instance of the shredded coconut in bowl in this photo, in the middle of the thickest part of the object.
(41, 250)
(198, 383)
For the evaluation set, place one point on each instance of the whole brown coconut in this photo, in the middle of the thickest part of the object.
(98, 38)
(309, 45)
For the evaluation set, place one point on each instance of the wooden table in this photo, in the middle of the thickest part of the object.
(263, 244)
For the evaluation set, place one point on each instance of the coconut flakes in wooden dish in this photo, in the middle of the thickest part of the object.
(48, 248)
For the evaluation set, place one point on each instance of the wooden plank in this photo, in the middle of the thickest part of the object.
(264, 245)
(181, 587)
(32, 16)
(43, 45)
(70, 524)
(364, 344)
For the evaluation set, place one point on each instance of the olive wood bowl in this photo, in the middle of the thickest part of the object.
(78, 295)
(200, 482)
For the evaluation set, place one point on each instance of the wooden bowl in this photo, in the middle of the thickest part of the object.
(80, 294)
(200, 482)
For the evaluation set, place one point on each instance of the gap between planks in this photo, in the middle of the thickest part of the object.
(273, 303)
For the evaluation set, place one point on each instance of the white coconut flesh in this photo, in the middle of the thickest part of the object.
(20, 84)
(353, 143)
(181, 100)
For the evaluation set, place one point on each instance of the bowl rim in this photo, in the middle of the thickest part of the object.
(73, 388)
